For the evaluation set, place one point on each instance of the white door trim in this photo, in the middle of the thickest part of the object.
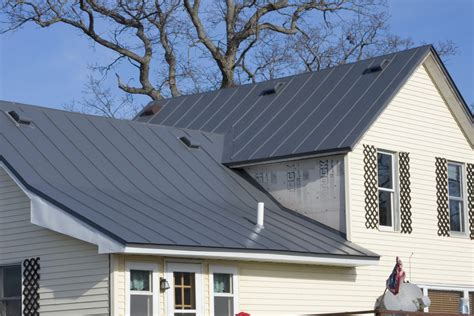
(184, 267)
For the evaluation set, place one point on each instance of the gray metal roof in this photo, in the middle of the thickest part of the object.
(327, 110)
(140, 184)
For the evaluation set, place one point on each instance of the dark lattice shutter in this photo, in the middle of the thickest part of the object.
(405, 192)
(470, 199)
(371, 190)
(442, 196)
(31, 296)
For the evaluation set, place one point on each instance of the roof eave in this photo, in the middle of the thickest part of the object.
(252, 255)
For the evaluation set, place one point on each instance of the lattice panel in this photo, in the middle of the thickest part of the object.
(442, 196)
(371, 190)
(405, 192)
(31, 277)
(470, 198)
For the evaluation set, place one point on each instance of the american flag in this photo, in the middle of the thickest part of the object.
(396, 277)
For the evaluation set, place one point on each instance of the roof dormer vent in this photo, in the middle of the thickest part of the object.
(273, 90)
(18, 119)
(377, 67)
(187, 141)
(150, 110)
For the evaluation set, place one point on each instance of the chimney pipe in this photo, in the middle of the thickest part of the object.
(260, 213)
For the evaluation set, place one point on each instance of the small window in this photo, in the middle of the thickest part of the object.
(142, 289)
(184, 291)
(455, 195)
(10, 290)
(386, 186)
(224, 298)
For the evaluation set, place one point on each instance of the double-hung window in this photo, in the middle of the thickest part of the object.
(386, 188)
(142, 286)
(456, 196)
(10, 290)
(224, 287)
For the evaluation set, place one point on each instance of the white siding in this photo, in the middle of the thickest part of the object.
(74, 277)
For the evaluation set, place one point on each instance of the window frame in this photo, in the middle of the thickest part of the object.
(464, 290)
(2, 299)
(235, 285)
(195, 268)
(155, 286)
(462, 199)
(394, 191)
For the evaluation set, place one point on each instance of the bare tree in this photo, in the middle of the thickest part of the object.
(187, 46)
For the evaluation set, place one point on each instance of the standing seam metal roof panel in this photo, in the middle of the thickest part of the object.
(139, 184)
(323, 111)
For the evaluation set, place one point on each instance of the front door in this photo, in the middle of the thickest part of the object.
(184, 298)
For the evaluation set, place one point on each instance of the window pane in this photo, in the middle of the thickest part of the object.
(12, 281)
(140, 280)
(222, 283)
(384, 165)
(141, 305)
(454, 180)
(455, 215)
(223, 306)
(12, 307)
(385, 208)
(184, 290)
(184, 314)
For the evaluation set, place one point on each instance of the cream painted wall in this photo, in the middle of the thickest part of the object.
(419, 122)
(74, 278)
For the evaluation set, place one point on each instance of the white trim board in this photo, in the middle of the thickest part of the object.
(207, 253)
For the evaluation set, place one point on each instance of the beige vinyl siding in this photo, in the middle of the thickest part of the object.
(416, 121)
(74, 277)
(419, 122)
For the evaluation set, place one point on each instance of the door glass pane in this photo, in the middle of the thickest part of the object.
(12, 281)
(384, 165)
(454, 180)
(455, 215)
(184, 290)
(222, 283)
(140, 280)
(385, 208)
(223, 306)
(141, 305)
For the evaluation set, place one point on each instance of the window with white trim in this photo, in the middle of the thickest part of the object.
(386, 188)
(224, 289)
(456, 197)
(10, 290)
(142, 287)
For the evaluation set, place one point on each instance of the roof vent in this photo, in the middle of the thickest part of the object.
(18, 119)
(377, 67)
(185, 140)
(150, 110)
(273, 90)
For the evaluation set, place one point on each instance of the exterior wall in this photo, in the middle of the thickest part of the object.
(74, 278)
(314, 187)
(417, 121)
(265, 288)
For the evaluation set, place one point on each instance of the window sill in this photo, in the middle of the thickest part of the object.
(460, 235)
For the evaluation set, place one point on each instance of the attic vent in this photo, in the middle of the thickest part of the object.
(377, 67)
(150, 110)
(273, 90)
(185, 140)
(18, 119)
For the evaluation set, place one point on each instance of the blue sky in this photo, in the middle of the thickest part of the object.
(49, 67)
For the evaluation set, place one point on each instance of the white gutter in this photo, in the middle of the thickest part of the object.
(209, 253)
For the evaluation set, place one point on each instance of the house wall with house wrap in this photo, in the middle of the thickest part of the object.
(417, 121)
(74, 278)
